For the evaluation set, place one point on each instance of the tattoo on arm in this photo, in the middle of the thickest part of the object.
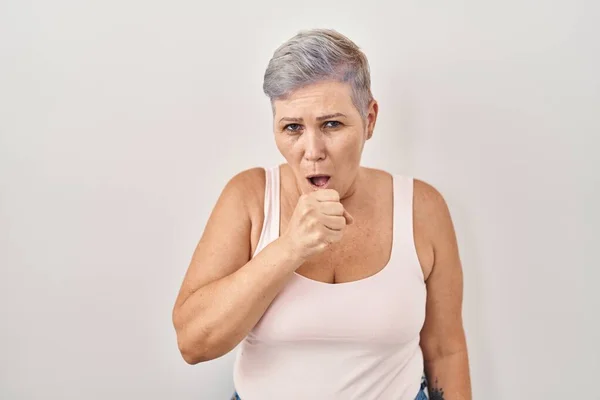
(436, 392)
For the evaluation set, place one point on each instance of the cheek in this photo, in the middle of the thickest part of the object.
(278, 143)
(351, 147)
(286, 146)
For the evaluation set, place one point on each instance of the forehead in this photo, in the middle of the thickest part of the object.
(321, 97)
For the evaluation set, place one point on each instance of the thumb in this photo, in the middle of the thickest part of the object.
(349, 218)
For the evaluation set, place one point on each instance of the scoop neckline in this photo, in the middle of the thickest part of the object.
(377, 274)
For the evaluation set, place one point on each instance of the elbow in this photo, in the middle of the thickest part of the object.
(204, 349)
(438, 351)
(199, 353)
(192, 352)
(436, 346)
(191, 357)
(198, 347)
(198, 343)
(190, 348)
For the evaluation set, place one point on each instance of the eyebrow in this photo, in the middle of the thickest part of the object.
(321, 118)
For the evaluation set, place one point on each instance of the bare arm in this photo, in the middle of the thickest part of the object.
(224, 293)
(442, 338)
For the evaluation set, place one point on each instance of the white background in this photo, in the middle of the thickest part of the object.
(120, 122)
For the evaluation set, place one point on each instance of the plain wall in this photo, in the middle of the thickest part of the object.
(120, 123)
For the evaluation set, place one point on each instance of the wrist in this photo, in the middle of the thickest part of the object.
(290, 252)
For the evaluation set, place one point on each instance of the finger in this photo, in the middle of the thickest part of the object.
(334, 236)
(331, 208)
(326, 195)
(349, 218)
(335, 223)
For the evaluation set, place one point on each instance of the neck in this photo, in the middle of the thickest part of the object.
(353, 192)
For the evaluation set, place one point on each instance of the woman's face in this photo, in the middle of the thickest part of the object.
(321, 134)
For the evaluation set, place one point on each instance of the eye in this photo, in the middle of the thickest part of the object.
(292, 128)
(335, 124)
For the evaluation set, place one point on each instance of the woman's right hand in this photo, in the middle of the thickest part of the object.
(318, 221)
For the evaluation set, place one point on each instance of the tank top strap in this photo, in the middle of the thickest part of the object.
(403, 231)
(270, 228)
(274, 193)
(403, 188)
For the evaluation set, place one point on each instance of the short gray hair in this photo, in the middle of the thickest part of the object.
(317, 55)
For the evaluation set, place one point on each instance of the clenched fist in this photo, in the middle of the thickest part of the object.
(319, 220)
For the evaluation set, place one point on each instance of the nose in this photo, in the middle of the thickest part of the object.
(314, 146)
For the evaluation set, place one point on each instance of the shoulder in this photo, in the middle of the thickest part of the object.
(246, 179)
(428, 196)
(247, 189)
(428, 200)
(247, 186)
(432, 213)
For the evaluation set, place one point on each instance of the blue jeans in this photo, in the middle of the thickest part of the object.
(420, 396)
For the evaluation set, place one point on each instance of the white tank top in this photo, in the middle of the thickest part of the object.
(353, 340)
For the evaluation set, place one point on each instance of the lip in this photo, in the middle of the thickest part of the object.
(308, 177)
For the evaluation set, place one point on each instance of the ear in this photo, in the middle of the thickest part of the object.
(372, 117)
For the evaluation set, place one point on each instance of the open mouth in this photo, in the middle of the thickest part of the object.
(319, 181)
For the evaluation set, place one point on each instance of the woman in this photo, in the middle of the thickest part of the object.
(337, 281)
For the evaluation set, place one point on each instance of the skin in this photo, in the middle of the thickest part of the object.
(332, 235)
(332, 146)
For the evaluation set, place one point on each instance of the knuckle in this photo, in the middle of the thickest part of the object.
(321, 236)
(307, 209)
(304, 211)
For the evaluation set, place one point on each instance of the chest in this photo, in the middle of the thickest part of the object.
(364, 250)
(387, 308)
